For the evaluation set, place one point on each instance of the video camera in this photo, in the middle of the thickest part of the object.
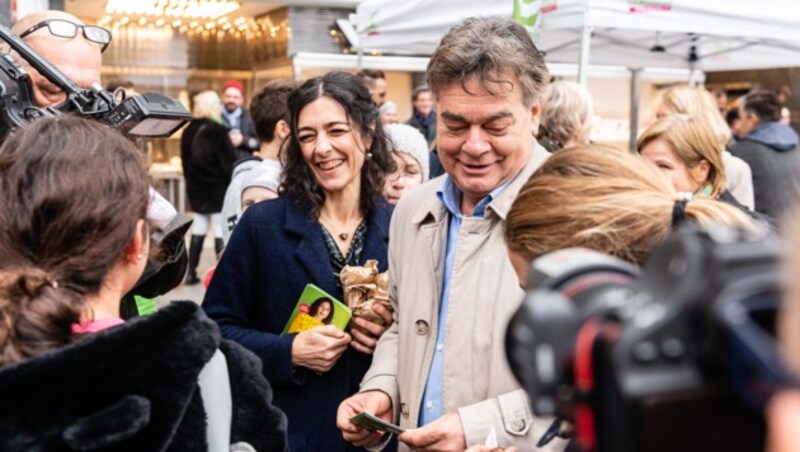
(150, 115)
(678, 356)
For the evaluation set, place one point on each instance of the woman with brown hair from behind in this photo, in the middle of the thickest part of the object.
(603, 199)
(73, 375)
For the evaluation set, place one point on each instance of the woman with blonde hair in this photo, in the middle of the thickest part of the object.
(207, 155)
(697, 101)
(604, 199)
(684, 149)
(567, 112)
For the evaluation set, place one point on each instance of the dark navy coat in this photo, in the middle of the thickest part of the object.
(275, 250)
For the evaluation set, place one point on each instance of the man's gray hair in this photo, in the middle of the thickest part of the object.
(486, 48)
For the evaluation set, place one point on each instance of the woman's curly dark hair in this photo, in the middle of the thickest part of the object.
(298, 181)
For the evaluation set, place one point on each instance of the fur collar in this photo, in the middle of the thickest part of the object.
(128, 386)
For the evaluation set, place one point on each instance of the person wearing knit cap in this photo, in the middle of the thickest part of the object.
(238, 120)
(270, 114)
(411, 156)
(257, 181)
(388, 113)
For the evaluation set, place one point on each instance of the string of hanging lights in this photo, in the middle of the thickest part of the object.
(179, 9)
(193, 18)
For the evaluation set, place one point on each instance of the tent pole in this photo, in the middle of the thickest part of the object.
(586, 42)
(635, 94)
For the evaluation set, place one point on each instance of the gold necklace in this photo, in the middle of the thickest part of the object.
(343, 236)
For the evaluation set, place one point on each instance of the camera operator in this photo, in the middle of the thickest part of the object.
(76, 49)
(68, 44)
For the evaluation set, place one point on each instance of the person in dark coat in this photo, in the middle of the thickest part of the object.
(423, 117)
(208, 155)
(330, 214)
(770, 148)
(238, 120)
(73, 374)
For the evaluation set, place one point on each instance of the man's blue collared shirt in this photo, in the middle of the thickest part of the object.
(432, 401)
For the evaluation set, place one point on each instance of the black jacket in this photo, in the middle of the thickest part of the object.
(428, 132)
(208, 157)
(771, 151)
(764, 220)
(250, 141)
(134, 388)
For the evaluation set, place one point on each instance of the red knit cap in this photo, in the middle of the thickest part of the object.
(233, 84)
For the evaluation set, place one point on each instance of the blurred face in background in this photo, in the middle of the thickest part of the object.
(748, 122)
(736, 127)
(407, 177)
(379, 92)
(389, 117)
(663, 110)
(255, 194)
(232, 98)
(659, 153)
(424, 103)
(786, 116)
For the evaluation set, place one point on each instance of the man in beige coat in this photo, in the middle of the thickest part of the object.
(440, 371)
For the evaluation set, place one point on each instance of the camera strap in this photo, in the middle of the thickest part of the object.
(593, 329)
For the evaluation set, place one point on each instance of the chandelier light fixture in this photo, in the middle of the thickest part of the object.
(192, 18)
(173, 9)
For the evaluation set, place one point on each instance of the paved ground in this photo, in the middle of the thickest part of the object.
(195, 292)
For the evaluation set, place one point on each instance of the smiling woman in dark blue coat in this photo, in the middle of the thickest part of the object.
(330, 215)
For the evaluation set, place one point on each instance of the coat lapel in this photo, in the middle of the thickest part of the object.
(432, 221)
(376, 242)
(311, 251)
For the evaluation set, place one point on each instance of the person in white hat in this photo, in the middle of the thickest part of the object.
(261, 184)
(388, 113)
(410, 153)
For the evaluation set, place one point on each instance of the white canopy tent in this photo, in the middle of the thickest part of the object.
(709, 35)
(693, 35)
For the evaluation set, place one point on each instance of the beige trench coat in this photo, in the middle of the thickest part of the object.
(484, 294)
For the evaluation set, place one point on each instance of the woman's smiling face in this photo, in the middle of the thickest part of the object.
(331, 145)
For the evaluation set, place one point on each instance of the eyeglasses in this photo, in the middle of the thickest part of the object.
(66, 29)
